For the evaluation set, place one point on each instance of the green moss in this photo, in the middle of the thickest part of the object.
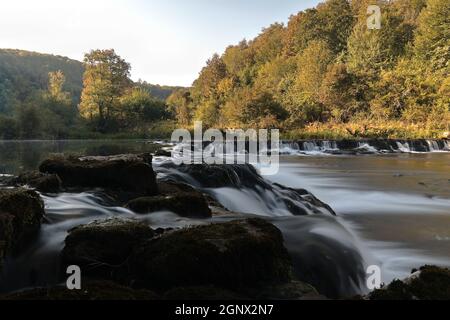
(101, 248)
(246, 253)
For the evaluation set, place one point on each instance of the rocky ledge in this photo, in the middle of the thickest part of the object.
(130, 173)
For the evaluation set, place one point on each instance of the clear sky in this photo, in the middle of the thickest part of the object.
(166, 41)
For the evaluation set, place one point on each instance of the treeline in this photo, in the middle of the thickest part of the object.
(325, 68)
(41, 97)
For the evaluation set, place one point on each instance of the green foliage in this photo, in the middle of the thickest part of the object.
(180, 105)
(327, 67)
(23, 72)
(137, 105)
(105, 80)
(323, 71)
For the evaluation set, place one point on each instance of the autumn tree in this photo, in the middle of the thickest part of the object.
(106, 78)
(180, 104)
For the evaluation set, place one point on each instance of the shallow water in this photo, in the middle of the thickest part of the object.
(393, 210)
(397, 204)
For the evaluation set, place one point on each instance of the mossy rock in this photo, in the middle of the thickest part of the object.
(185, 204)
(241, 253)
(130, 173)
(21, 212)
(294, 290)
(97, 290)
(101, 248)
(43, 182)
(172, 187)
(429, 283)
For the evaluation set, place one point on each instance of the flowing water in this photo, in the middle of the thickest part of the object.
(393, 209)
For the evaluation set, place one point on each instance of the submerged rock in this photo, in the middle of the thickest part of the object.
(242, 253)
(96, 290)
(43, 182)
(128, 173)
(185, 204)
(103, 247)
(21, 212)
(429, 283)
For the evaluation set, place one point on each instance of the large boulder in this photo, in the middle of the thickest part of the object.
(21, 212)
(185, 204)
(128, 173)
(43, 182)
(103, 247)
(233, 255)
(241, 253)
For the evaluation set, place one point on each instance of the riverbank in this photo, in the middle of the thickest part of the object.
(366, 130)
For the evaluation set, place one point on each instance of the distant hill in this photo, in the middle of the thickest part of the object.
(24, 72)
(158, 91)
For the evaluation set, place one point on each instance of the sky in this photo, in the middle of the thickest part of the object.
(167, 42)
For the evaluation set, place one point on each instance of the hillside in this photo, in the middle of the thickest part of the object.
(325, 74)
(23, 72)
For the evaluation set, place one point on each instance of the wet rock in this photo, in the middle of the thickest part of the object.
(129, 173)
(429, 283)
(245, 176)
(218, 176)
(172, 187)
(294, 290)
(185, 204)
(21, 212)
(96, 290)
(162, 153)
(242, 253)
(102, 247)
(47, 183)
(300, 201)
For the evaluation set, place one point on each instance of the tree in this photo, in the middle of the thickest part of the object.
(29, 122)
(180, 104)
(105, 79)
(59, 101)
(432, 43)
(137, 105)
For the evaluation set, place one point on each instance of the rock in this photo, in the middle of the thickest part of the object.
(21, 212)
(230, 175)
(96, 290)
(103, 247)
(129, 173)
(241, 253)
(294, 290)
(185, 204)
(162, 153)
(172, 187)
(429, 283)
(47, 183)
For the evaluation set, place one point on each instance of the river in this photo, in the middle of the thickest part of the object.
(392, 209)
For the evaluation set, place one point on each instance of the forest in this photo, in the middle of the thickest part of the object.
(324, 74)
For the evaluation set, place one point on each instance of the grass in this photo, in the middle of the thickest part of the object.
(364, 129)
